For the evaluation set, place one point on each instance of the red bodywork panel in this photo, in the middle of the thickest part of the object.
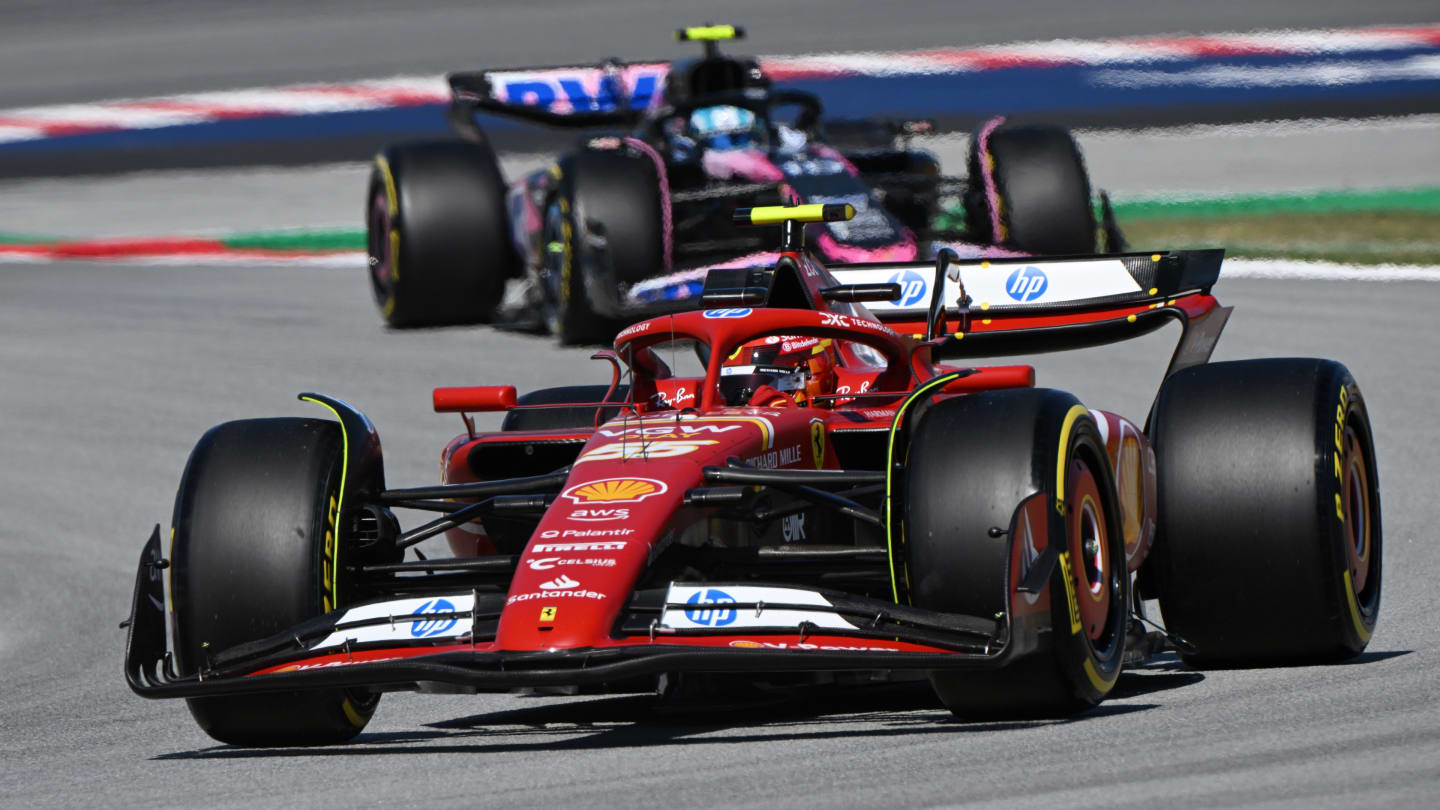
(624, 498)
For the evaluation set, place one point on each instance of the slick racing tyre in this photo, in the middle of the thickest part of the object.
(1012, 447)
(615, 199)
(437, 232)
(1029, 191)
(255, 551)
(1268, 546)
(560, 418)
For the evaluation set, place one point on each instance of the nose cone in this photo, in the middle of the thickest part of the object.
(586, 555)
(624, 498)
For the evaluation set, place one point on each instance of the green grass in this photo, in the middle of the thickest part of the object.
(1378, 226)
(328, 239)
(1354, 201)
(1378, 237)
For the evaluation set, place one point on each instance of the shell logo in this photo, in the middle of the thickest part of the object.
(615, 490)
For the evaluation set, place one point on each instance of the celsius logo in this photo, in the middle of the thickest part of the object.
(1026, 284)
(727, 313)
(912, 287)
(426, 628)
(709, 616)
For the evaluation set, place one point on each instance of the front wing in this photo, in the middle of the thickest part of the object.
(407, 643)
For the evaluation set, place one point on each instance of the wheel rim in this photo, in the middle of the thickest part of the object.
(1355, 497)
(557, 266)
(1088, 538)
(382, 271)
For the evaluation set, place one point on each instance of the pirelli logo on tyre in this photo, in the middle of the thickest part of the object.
(1070, 602)
(615, 490)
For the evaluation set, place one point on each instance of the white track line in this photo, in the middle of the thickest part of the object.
(1326, 271)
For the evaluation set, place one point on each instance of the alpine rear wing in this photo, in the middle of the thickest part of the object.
(1029, 305)
(613, 94)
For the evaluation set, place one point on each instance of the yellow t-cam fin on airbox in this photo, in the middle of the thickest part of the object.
(776, 214)
(709, 33)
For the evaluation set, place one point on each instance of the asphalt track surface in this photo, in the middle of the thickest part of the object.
(1253, 158)
(89, 50)
(109, 372)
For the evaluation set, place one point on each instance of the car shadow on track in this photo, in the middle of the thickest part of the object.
(645, 721)
(1170, 662)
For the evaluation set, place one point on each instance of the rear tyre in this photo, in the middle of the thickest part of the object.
(1032, 180)
(255, 551)
(437, 233)
(1268, 548)
(560, 418)
(1014, 444)
(620, 193)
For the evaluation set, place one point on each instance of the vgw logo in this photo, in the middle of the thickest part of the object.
(426, 628)
(1026, 284)
(912, 287)
(711, 616)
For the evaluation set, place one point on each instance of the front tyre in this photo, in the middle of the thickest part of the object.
(1268, 548)
(255, 551)
(978, 462)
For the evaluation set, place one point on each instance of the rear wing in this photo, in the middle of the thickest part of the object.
(1030, 305)
(576, 96)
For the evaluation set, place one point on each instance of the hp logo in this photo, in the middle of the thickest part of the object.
(1026, 284)
(425, 628)
(727, 313)
(708, 616)
(912, 287)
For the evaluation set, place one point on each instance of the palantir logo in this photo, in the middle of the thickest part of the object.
(710, 616)
(1027, 284)
(425, 628)
(912, 287)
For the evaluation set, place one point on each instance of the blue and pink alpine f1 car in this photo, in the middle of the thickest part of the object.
(627, 224)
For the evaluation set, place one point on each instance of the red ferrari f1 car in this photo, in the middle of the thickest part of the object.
(625, 225)
(805, 480)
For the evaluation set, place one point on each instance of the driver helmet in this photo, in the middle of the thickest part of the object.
(800, 368)
(723, 126)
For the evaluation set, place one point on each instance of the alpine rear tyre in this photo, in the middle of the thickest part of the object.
(1268, 549)
(256, 551)
(439, 243)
